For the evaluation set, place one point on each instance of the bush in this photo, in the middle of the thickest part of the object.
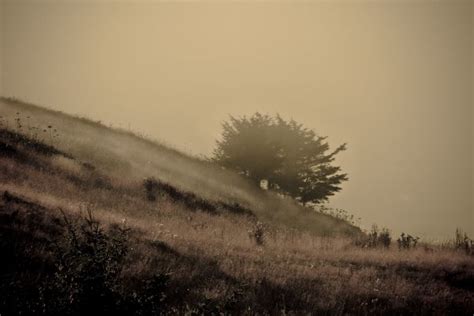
(375, 238)
(88, 265)
(384, 238)
(87, 278)
(463, 242)
(407, 241)
(151, 186)
(258, 233)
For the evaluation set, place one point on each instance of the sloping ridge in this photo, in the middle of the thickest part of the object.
(129, 158)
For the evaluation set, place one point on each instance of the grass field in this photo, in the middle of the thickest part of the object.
(80, 232)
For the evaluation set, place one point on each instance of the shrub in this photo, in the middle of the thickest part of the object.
(375, 238)
(407, 241)
(151, 186)
(384, 238)
(88, 265)
(463, 242)
(88, 274)
(257, 233)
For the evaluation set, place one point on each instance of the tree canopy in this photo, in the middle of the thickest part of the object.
(293, 159)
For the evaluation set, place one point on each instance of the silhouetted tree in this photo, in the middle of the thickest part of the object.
(293, 159)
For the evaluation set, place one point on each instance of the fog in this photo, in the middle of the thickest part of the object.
(394, 80)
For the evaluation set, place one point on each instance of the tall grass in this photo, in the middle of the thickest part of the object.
(84, 262)
(116, 250)
(123, 155)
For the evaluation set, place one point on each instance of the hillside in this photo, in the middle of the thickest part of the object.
(97, 220)
(127, 160)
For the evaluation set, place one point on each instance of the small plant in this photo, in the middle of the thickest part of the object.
(384, 238)
(463, 242)
(258, 233)
(407, 241)
(151, 186)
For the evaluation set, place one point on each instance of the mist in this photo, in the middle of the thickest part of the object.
(394, 80)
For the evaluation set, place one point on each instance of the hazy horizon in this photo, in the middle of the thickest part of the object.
(394, 80)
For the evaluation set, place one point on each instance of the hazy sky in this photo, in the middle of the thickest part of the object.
(393, 79)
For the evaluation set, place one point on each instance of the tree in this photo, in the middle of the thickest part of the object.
(293, 159)
(248, 147)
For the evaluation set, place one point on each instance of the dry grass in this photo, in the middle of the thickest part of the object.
(212, 260)
(121, 154)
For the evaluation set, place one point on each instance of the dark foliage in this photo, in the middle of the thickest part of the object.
(293, 159)
(463, 242)
(407, 241)
(375, 238)
(258, 233)
(61, 265)
(155, 188)
(10, 139)
(76, 270)
(88, 263)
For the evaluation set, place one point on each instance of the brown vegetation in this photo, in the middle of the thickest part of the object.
(73, 236)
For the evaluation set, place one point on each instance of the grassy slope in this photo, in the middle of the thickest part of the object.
(129, 159)
(212, 260)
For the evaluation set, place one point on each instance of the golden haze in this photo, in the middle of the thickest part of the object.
(394, 79)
